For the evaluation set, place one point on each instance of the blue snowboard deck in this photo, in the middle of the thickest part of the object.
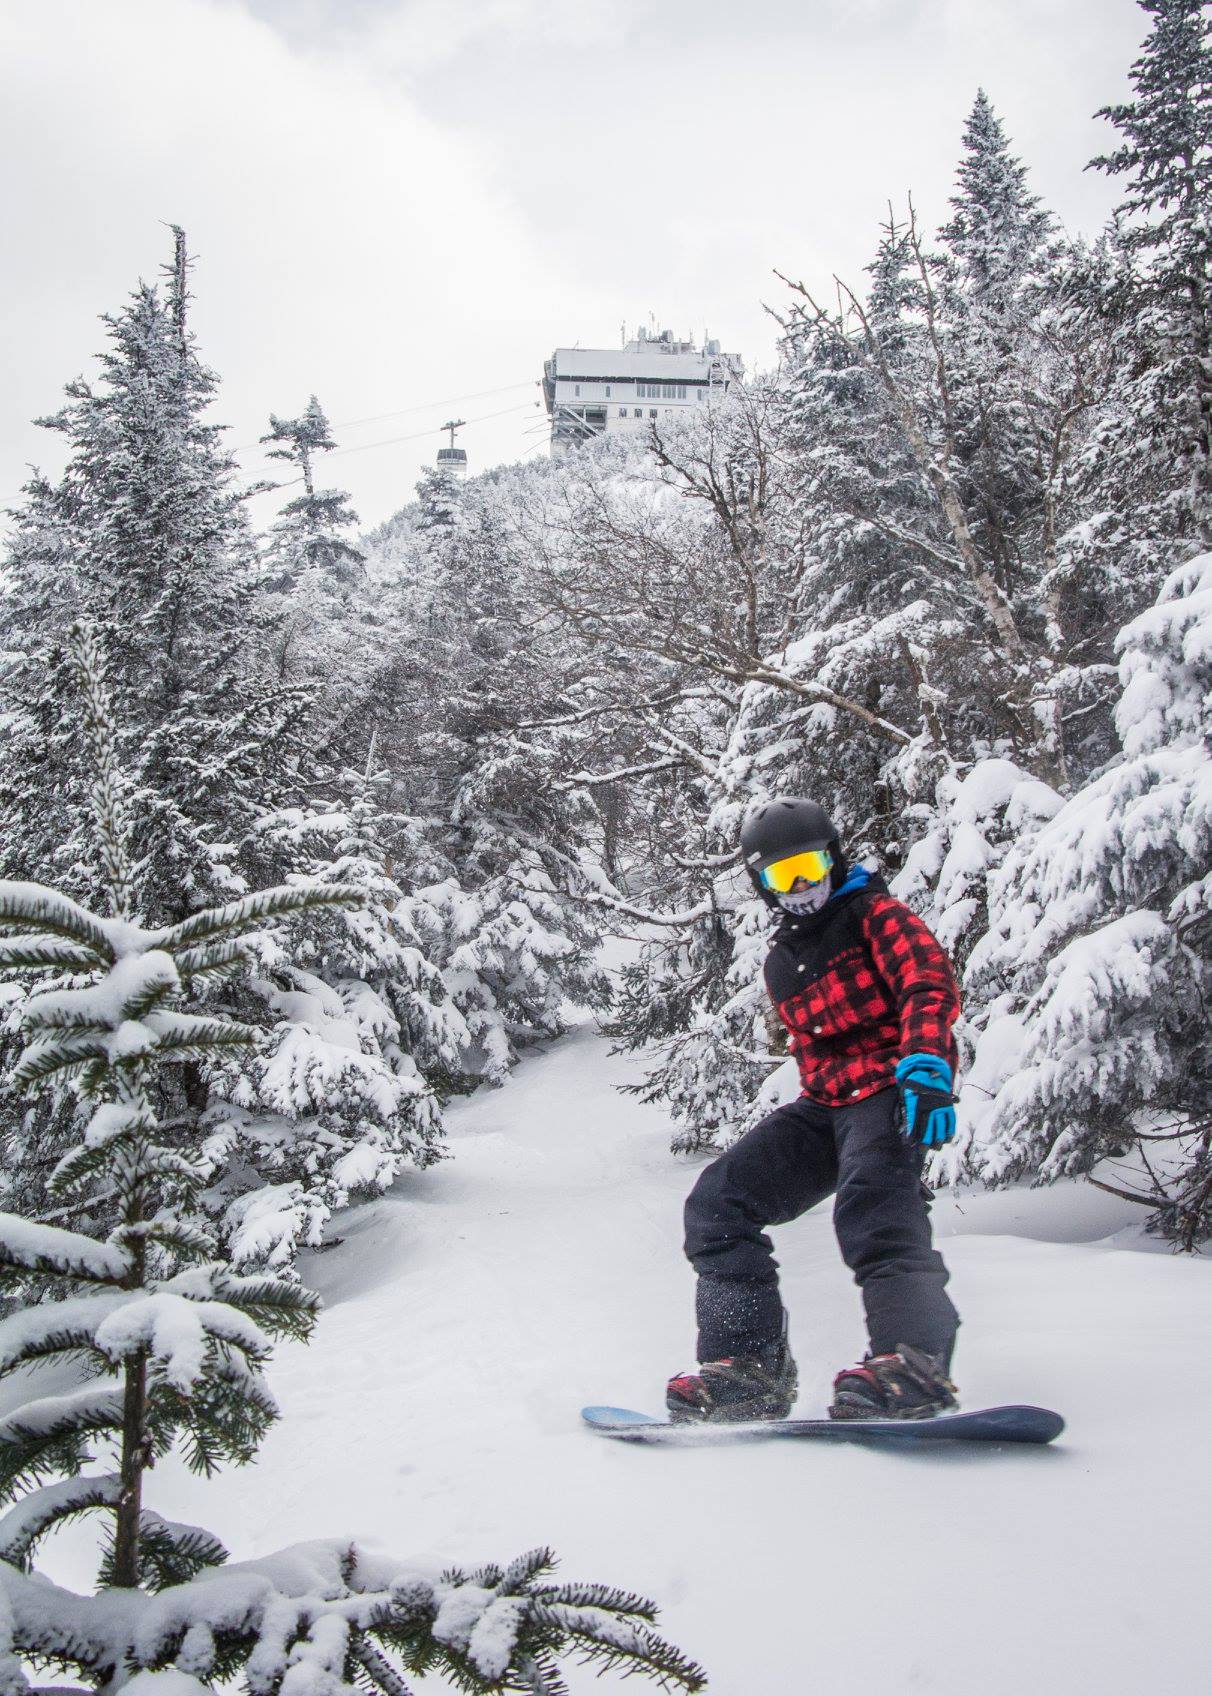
(983, 1425)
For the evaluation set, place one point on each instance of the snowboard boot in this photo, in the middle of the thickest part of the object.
(743, 1387)
(909, 1384)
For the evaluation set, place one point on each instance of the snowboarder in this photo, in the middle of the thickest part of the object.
(868, 998)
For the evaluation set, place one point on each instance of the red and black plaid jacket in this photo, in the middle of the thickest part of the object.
(858, 987)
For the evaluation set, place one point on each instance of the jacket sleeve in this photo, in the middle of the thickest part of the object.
(911, 961)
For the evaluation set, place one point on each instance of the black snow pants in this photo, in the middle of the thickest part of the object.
(793, 1159)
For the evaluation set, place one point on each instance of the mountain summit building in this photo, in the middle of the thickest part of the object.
(594, 391)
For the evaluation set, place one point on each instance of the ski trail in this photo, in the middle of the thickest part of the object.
(472, 1310)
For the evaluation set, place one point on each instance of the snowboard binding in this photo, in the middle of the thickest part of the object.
(732, 1391)
(907, 1384)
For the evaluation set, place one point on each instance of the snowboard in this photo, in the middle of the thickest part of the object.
(983, 1425)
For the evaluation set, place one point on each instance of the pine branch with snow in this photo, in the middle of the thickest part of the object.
(331, 1618)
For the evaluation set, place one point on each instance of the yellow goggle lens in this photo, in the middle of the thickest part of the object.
(782, 875)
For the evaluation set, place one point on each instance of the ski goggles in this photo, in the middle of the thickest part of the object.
(781, 876)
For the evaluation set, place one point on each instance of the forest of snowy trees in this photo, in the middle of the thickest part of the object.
(943, 569)
(305, 833)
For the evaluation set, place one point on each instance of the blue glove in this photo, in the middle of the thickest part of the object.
(927, 1104)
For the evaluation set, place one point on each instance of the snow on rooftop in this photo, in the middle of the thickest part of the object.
(671, 362)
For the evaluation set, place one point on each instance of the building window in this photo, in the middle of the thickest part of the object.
(652, 412)
(622, 412)
(608, 391)
(661, 391)
(639, 411)
(577, 390)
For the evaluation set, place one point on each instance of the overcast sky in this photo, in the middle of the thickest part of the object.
(404, 205)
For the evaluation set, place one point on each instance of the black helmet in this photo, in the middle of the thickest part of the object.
(787, 825)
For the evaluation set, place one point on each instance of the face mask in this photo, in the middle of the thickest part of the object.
(809, 900)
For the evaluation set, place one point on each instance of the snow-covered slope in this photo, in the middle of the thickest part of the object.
(475, 1308)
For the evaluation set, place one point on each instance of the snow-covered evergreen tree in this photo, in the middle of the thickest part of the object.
(312, 529)
(694, 1003)
(1166, 157)
(999, 233)
(145, 536)
(440, 499)
(341, 1094)
(957, 428)
(977, 817)
(312, 563)
(1097, 966)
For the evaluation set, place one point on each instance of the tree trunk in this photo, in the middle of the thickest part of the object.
(136, 1445)
(134, 1462)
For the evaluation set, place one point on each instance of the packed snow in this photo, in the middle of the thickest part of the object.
(475, 1307)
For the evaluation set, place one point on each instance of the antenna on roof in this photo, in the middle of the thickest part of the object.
(453, 424)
